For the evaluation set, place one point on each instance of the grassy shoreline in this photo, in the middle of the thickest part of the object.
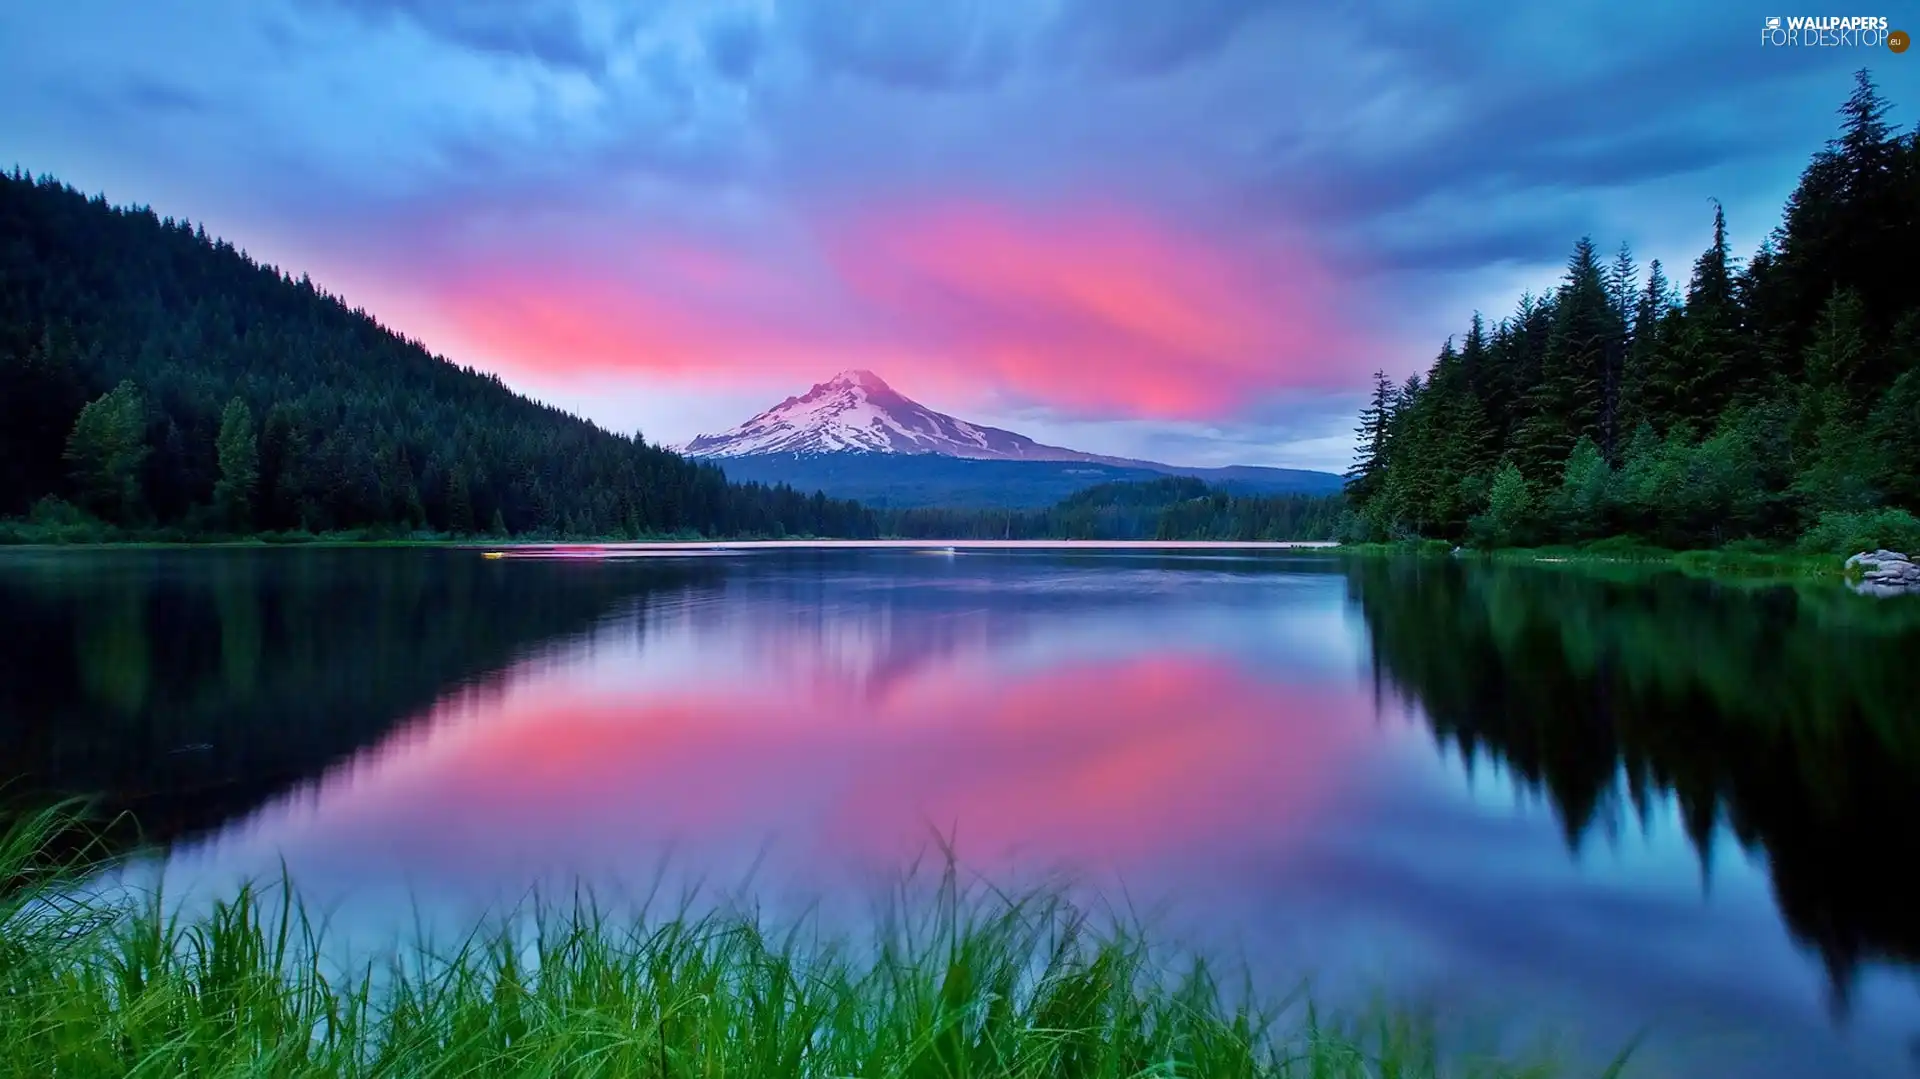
(1733, 562)
(955, 981)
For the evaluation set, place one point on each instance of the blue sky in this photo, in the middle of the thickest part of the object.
(1184, 230)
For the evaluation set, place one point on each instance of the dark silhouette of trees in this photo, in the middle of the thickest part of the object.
(1774, 397)
(164, 382)
(1175, 508)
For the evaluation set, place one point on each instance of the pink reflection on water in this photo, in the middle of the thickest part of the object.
(1113, 763)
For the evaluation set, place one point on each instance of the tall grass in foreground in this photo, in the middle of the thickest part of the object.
(969, 983)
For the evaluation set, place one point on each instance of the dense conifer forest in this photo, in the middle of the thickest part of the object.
(1175, 508)
(1762, 401)
(157, 381)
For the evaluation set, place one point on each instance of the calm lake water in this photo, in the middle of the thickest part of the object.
(1530, 796)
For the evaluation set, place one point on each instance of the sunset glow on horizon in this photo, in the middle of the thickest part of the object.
(1186, 233)
(1088, 313)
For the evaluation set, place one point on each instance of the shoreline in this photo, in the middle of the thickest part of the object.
(677, 546)
(1780, 564)
(934, 546)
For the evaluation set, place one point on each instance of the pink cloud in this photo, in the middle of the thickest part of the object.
(1102, 310)
(1099, 310)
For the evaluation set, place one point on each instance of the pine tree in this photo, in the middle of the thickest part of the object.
(1623, 283)
(1583, 502)
(1509, 511)
(40, 396)
(1394, 508)
(1570, 400)
(1830, 441)
(1530, 331)
(1370, 452)
(460, 502)
(1709, 345)
(1765, 315)
(238, 452)
(1851, 222)
(1623, 280)
(1648, 383)
(1895, 435)
(104, 453)
(1836, 360)
(1475, 363)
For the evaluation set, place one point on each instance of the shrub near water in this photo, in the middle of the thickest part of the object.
(1868, 530)
(965, 983)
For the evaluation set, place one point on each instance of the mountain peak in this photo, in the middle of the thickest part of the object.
(856, 411)
(858, 376)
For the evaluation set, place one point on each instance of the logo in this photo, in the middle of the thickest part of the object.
(1826, 32)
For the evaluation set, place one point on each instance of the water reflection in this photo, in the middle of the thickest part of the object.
(1791, 717)
(189, 686)
(1074, 763)
(1612, 803)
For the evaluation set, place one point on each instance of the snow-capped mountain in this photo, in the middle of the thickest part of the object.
(856, 411)
(854, 436)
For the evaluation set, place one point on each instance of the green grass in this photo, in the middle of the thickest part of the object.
(1399, 548)
(954, 982)
(1732, 561)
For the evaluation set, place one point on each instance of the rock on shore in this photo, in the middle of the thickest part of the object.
(1885, 573)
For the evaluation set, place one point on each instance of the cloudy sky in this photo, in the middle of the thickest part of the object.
(1178, 229)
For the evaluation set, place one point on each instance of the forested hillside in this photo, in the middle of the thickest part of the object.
(912, 480)
(1176, 508)
(1767, 399)
(161, 380)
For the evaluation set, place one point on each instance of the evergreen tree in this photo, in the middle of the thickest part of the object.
(1895, 433)
(1509, 510)
(1399, 503)
(1623, 283)
(1708, 343)
(1765, 314)
(1649, 385)
(1769, 395)
(1851, 222)
(1830, 440)
(1370, 451)
(239, 455)
(1585, 498)
(1569, 402)
(104, 453)
(39, 397)
(459, 515)
(1475, 363)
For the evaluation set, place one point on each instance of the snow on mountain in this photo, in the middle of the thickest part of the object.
(856, 411)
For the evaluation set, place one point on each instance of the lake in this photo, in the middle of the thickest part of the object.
(1530, 797)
